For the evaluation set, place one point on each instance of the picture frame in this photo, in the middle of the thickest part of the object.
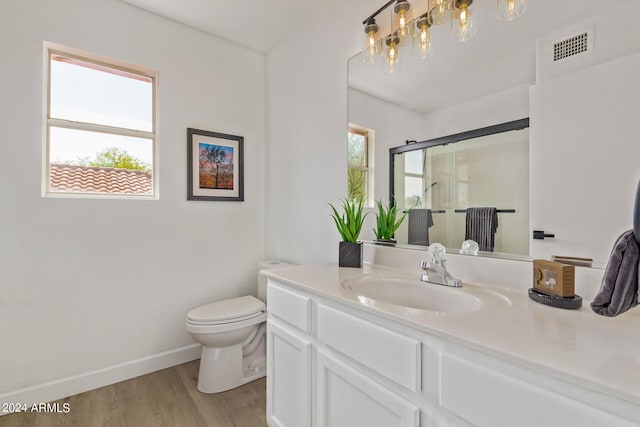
(215, 166)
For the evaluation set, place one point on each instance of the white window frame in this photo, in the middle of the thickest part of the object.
(370, 135)
(48, 122)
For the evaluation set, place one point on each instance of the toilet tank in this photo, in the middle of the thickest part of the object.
(262, 280)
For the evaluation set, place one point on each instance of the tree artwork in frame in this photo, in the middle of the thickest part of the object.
(215, 166)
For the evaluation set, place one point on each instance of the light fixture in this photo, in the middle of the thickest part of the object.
(440, 11)
(422, 39)
(437, 12)
(401, 19)
(371, 46)
(508, 10)
(393, 44)
(462, 28)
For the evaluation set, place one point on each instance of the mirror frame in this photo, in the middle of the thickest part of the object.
(444, 140)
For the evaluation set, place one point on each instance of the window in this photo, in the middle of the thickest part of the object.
(414, 179)
(100, 126)
(360, 185)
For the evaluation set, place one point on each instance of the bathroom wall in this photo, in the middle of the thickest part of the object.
(93, 291)
(307, 132)
(584, 168)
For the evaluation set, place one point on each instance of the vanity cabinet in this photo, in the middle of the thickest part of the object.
(321, 361)
(289, 354)
(332, 364)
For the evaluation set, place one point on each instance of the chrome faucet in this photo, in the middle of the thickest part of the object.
(436, 271)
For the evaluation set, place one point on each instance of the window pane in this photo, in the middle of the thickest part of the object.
(357, 184)
(357, 150)
(88, 93)
(82, 161)
(413, 162)
(413, 191)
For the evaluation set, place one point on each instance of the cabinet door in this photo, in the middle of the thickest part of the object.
(346, 398)
(288, 378)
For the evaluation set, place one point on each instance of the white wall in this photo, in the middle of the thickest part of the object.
(88, 284)
(307, 136)
(584, 137)
(584, 159)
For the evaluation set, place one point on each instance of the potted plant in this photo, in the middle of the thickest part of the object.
(387, 222)
(349, 225)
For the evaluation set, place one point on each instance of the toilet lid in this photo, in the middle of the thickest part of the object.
(240, 308)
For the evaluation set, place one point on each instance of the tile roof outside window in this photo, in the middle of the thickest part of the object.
(92, 179)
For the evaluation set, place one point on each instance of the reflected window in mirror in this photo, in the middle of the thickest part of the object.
(414, 179)
(360, 174)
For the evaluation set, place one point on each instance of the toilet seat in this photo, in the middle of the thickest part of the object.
(224, 322)
(227, 315)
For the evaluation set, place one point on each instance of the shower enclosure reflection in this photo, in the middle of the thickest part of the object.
(442, 181)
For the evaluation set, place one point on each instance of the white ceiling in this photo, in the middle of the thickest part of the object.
(256, 24)
(501, 56)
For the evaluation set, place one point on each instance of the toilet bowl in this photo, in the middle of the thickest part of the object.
(232, 335)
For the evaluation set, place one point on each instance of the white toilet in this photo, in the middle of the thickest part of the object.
(233, 337)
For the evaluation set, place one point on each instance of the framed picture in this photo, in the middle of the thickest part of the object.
(215, 166)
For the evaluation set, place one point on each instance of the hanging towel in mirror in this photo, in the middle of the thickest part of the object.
(619, 290)
(420, 220)
(481, 226)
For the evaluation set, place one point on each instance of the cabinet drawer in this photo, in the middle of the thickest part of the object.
(388, 353)
(289, 306)
(489, 398)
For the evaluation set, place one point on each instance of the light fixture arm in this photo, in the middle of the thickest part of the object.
(377, 12)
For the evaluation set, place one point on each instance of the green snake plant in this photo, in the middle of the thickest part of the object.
(386, 220)
(349, 223)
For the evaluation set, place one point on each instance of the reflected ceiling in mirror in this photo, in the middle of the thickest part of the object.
(500, 57)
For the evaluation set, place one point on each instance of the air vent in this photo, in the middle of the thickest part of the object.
(579, 44)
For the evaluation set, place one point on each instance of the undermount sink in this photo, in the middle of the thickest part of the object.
(393, 293)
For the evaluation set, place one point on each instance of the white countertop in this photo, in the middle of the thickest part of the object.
(576, 345)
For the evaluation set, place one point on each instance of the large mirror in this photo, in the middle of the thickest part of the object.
(582, 140)
(443, 182)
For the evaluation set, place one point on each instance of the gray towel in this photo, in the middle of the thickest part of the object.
(619, 290)
(419, 222)
(481, 226)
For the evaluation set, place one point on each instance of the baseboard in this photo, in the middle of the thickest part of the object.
(69, 386)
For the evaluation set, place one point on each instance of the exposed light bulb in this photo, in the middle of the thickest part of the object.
(461, 22)
(424, 42)
(439, 11)
(508, 10)
(392, 51)
(422, 38)
(402, 19)
(371, 47)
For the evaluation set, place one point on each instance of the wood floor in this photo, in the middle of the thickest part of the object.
(164, 398)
